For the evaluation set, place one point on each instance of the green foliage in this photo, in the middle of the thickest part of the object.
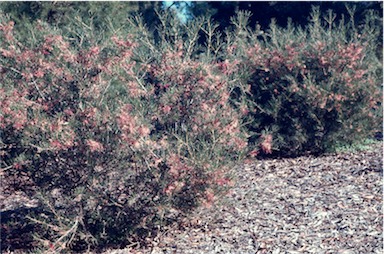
(72, 18)
(62, 13)
(361, 146)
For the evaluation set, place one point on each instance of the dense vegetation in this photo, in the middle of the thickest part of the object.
(118, 127)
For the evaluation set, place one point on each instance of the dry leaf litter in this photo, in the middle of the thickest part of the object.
(327, 204)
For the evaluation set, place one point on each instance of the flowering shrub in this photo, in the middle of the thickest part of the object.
(112, 143)
(309, 88)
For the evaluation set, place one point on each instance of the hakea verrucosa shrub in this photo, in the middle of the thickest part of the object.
(111, 145)
(309, 89)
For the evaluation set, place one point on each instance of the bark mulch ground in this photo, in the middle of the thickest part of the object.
(327, 204)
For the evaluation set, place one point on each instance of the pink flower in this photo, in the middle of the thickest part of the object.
(253, 153)
(17, 166)
(6, 53)
(209, 197)
(39, 74)
(68, 112)
(126, 122)
(55, 144)
(18, 125)
(144, 131)
(266, 145)
(339, 97)
(223, 181)
(166, 109)
(244, 110)
(94, 51)
(95, 146)
(7, 29)
(174, 188)
(169, 189)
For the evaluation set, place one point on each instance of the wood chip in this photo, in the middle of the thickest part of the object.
(301, 205)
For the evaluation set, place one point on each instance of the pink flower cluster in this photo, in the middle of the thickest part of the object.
(133, 130)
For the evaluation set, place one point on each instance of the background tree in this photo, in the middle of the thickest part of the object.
(281, 11)
(102, 16)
